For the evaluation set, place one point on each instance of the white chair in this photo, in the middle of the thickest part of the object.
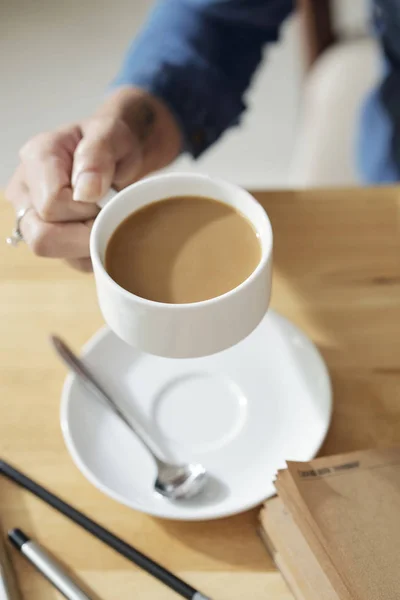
(334, 90)
(342, 68)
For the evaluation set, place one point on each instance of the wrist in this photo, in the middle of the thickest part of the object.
(150, 121)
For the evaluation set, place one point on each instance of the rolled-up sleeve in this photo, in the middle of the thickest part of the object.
(198, 56)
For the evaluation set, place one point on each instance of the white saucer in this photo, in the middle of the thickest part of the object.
(241, 413)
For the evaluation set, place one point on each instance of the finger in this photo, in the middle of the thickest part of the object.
(16, 191)
(80, 264)
(104, 153)
(128, 169)
(55, 240)
(46, 171)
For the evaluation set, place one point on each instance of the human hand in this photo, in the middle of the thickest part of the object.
(63, 174)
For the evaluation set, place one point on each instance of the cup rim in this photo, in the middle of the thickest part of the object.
(95, 254)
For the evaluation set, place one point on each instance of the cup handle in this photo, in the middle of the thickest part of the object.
(106, 199)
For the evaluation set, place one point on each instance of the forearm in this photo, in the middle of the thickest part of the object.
(150, 121)
(198, 57)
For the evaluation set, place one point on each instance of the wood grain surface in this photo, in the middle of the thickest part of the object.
(337, 276)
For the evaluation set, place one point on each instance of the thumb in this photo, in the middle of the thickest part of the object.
(106, 143)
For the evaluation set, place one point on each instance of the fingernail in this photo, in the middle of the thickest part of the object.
(88, 186)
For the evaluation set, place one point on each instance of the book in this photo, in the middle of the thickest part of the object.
(334, 530)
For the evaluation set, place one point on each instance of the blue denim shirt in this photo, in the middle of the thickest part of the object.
(198, 56)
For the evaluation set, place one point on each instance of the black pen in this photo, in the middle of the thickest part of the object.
(101, 533)
(46, 565)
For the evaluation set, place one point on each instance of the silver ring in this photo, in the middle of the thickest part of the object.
(16, 236)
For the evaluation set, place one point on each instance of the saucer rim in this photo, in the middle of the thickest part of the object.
(269, 491)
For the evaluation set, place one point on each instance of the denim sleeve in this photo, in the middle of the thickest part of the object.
(379, 139)
(198, 56)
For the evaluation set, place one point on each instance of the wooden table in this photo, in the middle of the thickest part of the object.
(337, 275)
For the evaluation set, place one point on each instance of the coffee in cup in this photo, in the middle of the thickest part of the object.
(183, 249)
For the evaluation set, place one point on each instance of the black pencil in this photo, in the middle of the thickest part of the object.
(141, 560)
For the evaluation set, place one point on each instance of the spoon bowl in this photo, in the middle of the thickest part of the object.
(178, 482)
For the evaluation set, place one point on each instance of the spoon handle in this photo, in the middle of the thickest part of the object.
(79, 368)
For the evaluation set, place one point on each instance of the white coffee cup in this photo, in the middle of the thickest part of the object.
(182, 330)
